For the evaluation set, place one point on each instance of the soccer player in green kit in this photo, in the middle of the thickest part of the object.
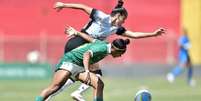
(76, 64)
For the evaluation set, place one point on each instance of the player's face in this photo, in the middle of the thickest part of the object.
(119, 20)
(116, 53)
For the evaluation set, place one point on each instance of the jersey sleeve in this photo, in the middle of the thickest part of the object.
(97, 14)
(120, 30)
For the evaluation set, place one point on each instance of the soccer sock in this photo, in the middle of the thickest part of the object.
(39, 98)
(98, 99)
(83, 87)
(177, 71)
(190, 74)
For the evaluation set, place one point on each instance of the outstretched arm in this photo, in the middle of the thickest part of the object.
(71, 31)
(137, 35)
(60, 5)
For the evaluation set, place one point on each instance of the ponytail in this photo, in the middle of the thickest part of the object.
(119, 9)
(119, 4)
(126, 41)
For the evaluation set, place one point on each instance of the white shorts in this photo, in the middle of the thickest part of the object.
(72, 68)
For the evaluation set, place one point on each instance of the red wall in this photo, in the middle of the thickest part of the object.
(26, 19)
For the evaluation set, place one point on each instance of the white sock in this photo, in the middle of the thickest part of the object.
(67, 84)
(83, 87)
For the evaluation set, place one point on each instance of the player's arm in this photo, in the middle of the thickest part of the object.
(186, 46)
(60, 5)
(71, 31)
(137, 35)
(86, 57)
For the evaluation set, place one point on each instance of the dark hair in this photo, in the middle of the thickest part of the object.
(120, 44)
(119, 9)
(119, 4)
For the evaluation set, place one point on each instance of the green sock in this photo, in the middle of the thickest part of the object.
(39, 98)
(98, 99)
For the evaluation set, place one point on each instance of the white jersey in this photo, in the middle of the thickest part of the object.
(100, 26)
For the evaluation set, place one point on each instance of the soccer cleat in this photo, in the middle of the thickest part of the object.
(170, 78)
(77, 96)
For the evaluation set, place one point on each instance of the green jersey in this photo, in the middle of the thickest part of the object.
(98, 49)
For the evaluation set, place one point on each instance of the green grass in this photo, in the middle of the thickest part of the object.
(116, 89)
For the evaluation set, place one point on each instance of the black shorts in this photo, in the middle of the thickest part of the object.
(73, 43)
(98, 72)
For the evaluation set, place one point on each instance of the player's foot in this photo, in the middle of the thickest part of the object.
(170, 77)
(192, 83)
(77, 96)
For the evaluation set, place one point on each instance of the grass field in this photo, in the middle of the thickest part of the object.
(116, 89)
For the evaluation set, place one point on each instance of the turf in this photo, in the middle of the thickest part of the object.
(116, 89)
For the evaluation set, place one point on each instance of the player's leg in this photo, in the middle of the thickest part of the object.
(176, 71)
(66, 85)
(65, 70)
(99, 75)
(190, 79)
(96, 83)
(77, 94)
(58, 81)
(189, 70)
(73, 43)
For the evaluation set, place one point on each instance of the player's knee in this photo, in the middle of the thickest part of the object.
(100, 84)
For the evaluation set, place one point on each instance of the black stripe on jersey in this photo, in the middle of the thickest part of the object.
(87, 26)
(93, 13)
(84, 31)
(90, 22)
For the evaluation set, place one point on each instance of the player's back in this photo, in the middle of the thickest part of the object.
(97, 48)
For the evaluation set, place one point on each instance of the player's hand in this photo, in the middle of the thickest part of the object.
(58, 6)
(70, 31)
(88, 79)
(159, 31)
